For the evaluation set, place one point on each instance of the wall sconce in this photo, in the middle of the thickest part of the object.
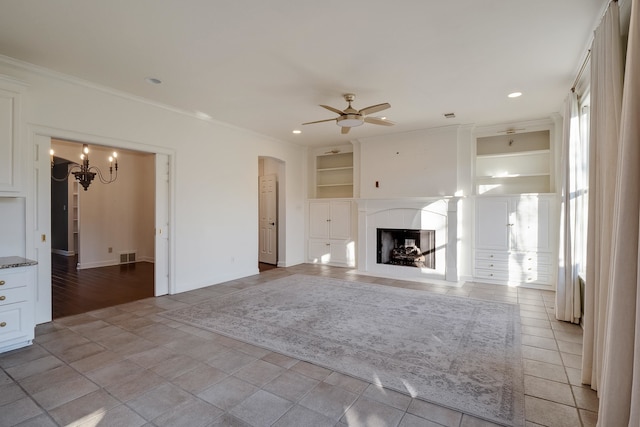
(84, 173)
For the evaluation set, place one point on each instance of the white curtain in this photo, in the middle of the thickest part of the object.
(620, 390)
(568, 288)
(606, 104)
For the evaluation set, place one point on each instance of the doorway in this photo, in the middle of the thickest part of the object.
(155, 170)
(102, 230)
(270, 178)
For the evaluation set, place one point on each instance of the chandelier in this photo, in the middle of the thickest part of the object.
(84, 173)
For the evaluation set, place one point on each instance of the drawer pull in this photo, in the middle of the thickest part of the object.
(2, 298)
(490, 274)
(3, 324)
(529, 268)
(2, 282)
(490, 256)
(490, 265)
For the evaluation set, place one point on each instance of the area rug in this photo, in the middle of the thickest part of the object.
(461, 353)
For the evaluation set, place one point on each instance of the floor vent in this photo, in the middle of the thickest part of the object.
(126, 258)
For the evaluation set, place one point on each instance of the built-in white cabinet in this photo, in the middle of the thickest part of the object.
(330, 232)
(17, 317)
(515, 239)
(10, 156)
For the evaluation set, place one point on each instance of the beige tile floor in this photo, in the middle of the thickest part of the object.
(127, 366)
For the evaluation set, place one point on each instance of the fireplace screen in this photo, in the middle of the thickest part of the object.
(411, 248)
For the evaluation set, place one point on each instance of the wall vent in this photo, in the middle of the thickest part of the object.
(127, 257)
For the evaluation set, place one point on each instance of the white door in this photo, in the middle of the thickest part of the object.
(268, 207)
(319, 220)
(42, 228)
(532, 225)
(162, 225)
(493, 223)
(340, 220)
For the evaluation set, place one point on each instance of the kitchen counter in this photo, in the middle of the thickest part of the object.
(15, 261)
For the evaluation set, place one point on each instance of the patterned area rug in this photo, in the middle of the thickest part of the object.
(457, 352)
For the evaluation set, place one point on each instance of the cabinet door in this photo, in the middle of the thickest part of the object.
(340, 216)
(319, 251)
(492, 223)
(532, 227)
(340, 253)
(8, 140)
(319, 220)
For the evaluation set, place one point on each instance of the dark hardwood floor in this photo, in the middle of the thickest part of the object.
(264, 267)
(78, 291)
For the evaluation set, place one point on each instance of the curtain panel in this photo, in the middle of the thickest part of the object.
(606, 103)
(568, 289)
(620, 390)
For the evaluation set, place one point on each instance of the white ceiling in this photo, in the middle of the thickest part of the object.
(266, 65)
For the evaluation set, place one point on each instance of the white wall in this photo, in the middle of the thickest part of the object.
(214, 213)
(413, 164)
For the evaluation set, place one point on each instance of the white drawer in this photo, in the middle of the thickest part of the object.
(541, 279)
(12, 279)
(11, 322)
(532, 268)
(491, 274)
(492, 255)
(492, 264)
(13, 295)
(532, 258)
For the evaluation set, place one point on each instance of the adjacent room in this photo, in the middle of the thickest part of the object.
(319, 214)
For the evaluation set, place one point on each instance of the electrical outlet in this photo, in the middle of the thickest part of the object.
(110, 250)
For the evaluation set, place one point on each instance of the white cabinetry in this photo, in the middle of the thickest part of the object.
(515, 239)
(17, 322)
(10, 157)
(330, 232)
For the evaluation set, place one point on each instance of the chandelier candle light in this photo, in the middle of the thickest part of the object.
(84, 173)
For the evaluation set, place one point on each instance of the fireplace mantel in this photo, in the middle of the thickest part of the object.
(428, 213)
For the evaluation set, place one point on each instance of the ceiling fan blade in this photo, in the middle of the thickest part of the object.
(379, 121)
(375, 108)
(345, 130)
(335, 110)
(319, 121)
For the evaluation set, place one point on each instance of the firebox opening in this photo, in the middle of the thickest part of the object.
(409, 248)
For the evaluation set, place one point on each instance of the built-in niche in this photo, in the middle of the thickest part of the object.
(409, 248)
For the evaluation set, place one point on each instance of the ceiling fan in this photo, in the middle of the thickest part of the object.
(351, 117)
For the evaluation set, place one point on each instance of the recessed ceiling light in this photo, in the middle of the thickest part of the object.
(203, 116)
(153, 80)
(514, 94)
(297, 131)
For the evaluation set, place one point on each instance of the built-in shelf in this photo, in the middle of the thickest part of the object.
(513, 164)
(335, 169)
(334, 175)
(335, 185)
(513, 154)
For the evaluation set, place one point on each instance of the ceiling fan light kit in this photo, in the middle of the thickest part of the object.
(350, 117)
(350, 120)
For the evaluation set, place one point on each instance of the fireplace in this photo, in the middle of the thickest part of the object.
(406, 247)
(428, 223)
